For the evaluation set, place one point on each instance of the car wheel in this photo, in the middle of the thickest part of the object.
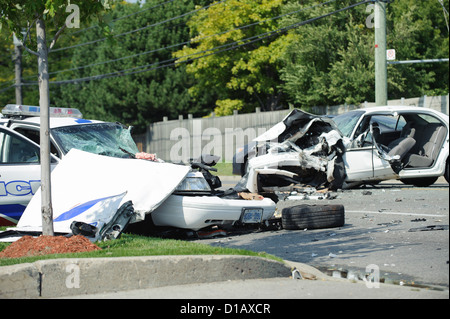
(447, 172)
(312, 216)
(420, 182)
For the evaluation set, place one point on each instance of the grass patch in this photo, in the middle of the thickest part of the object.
(135, 245)
(224, 169)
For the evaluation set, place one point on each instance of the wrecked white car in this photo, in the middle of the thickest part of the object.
(362, 146)
(95, 172)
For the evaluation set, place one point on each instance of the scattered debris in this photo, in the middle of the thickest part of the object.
(211, 233)
(250, 196)
(429, 228)
(392, 223)
(296, 274)
(419, 220)
(46, 245)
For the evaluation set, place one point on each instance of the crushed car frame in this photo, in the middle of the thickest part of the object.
(362, 146)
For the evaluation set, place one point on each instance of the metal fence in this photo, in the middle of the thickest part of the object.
(182, 139)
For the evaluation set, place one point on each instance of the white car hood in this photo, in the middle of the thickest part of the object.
(83, 177)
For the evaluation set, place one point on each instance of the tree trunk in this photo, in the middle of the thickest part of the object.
(44, 103)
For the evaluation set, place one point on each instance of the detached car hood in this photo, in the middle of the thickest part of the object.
(296, 124)
(83, 178)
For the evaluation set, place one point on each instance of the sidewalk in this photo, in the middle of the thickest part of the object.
(191, 277)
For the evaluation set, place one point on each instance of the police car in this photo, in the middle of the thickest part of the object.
(19, 149)
(192, 205)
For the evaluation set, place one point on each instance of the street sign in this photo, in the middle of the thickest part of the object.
(390, 54)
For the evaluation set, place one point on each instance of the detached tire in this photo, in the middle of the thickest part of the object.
(312, 216)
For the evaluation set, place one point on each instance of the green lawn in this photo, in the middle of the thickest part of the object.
(223, 169)
(134, 245)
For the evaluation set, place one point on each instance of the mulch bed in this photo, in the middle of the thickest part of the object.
(45, 245)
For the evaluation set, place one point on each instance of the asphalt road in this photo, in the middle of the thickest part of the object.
(397, 230)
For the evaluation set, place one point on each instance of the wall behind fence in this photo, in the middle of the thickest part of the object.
(182, 139)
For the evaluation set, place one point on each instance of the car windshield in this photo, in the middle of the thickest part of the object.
(110, 139)
(346, 122)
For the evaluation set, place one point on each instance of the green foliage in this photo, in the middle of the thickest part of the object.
(418, 30)
(136, 99)
(327, 62)
(248, 73)
(331, 61)
(19, 17)
(226, 107)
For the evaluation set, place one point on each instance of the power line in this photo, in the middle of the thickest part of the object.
(215, 50)
(126, 16)
(189, 41)
(139, 29)
(209, 52)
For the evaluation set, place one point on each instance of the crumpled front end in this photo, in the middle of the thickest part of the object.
(308, 151)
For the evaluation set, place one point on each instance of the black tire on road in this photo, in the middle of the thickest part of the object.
(312, 216)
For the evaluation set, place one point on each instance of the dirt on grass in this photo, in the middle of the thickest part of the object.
(45, 245)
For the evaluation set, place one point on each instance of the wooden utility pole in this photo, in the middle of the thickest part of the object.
(380, 54)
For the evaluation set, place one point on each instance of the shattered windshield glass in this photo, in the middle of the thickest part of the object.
(110, 139)
(346, 122)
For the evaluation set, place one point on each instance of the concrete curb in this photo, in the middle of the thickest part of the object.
(78, 276)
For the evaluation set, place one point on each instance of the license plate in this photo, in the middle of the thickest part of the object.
(251, 215)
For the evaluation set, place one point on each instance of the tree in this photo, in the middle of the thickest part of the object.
(143, 41)
(23, 14)
(241, 77)
(418, 30)
(331, 61)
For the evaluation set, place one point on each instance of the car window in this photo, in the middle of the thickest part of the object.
(33, 134)
(346, 122)
(428, 118)
(386, 122)
(109, 139)
(15, 150)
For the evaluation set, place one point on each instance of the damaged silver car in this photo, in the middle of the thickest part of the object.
(362, 146)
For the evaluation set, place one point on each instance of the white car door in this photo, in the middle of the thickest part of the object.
(359, 163)
(19, 174)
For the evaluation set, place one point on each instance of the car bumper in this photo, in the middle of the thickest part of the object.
(197, 212)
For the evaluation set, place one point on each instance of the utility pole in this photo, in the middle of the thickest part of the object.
(380, 53)
(18, 68)
(44, 103)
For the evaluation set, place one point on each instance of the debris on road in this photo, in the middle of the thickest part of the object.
(429, 228)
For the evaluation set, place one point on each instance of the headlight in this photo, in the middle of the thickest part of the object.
(193, 183)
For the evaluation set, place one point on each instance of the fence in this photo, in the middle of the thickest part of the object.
(182, 139)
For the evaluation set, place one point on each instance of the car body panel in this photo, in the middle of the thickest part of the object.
(195, 212)
(19, 179)
(81, 177)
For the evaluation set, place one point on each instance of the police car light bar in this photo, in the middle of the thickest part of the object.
(29, 110)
